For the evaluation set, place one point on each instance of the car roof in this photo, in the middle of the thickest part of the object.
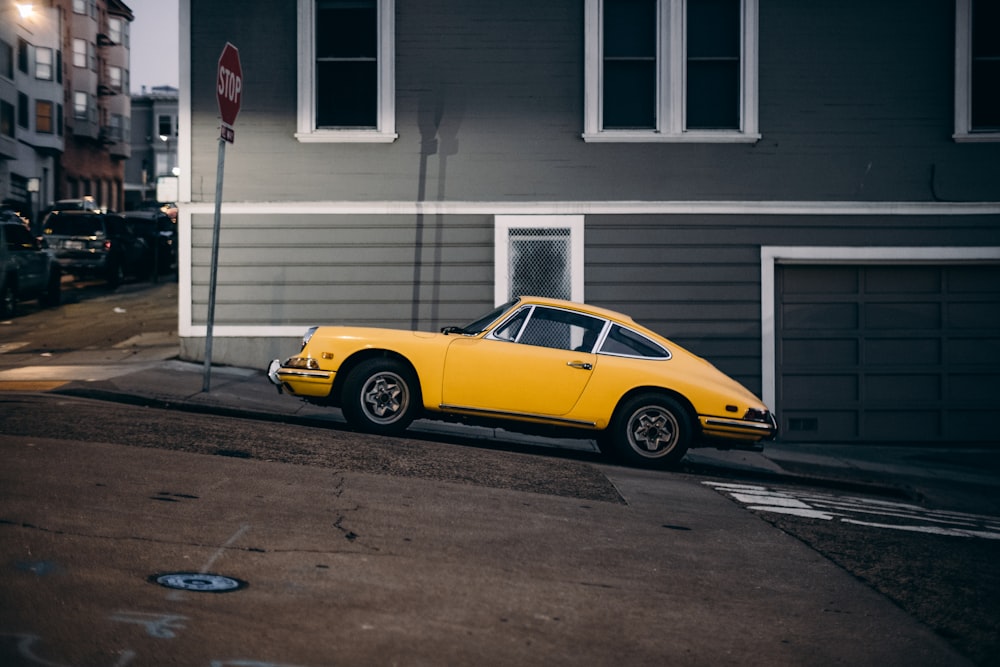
(581, 307)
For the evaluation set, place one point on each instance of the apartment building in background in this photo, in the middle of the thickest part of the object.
(65, 113)
(152, 170)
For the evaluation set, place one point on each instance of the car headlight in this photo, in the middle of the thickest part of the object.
(307, 336)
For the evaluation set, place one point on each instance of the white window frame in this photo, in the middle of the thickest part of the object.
(385, 130)
(671, 84)
(44, 63)
(963, 77)
(501, 251)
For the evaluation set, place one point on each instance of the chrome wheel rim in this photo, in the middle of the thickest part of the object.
(384, 397)
(653, 431)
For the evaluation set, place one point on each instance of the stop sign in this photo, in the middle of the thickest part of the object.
(229, 86)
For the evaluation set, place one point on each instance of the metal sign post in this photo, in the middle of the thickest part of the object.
(229, 93)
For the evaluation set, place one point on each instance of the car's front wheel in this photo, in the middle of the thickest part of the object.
(651, 430)
(381, 396)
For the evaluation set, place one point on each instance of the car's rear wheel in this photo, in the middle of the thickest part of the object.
(651, 430)
(381, 396)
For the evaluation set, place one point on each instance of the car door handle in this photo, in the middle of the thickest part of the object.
(581, 365)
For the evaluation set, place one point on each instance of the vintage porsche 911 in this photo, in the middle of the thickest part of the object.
(530, 363)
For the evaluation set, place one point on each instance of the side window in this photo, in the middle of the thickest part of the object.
(625, 342)
(560, 329)
(510, 329)
(346, 71)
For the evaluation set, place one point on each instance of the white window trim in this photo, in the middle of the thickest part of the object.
(670, 111)
(501, 233)
(385, 132)
(963, 77)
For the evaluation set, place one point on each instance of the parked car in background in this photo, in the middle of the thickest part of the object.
(159, 232)
(532, 362)
(95, 244)
(28, 270)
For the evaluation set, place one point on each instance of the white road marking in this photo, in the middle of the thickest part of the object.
(870, 512)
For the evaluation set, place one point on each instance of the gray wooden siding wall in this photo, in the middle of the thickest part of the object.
(695, 279)
(855, 99)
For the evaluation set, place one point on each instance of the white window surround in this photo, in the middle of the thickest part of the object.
(963, 77)
(771, 256)
(501, 233)
(670, 104)
(307, 131)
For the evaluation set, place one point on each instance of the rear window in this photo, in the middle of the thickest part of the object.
(77, 225)
(628, 343)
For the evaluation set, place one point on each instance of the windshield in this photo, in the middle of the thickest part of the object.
(480, 325)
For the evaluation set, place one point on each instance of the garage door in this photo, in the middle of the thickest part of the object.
(888, 353)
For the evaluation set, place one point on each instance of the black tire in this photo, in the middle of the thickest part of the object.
(381, 396)
(8, 298)
(650, 431)
(52, 296)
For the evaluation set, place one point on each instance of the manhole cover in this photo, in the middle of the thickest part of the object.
(199, 582)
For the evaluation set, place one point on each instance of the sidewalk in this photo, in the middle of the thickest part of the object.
(932, 474)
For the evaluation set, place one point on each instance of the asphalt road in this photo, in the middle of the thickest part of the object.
(364, 550)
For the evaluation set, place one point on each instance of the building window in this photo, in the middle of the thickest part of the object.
(538, 255)
(671, 70)
(346, 71)
(81, 105)
(6, 119)
(44, 119)
(977, 70)
(118, 31)
(22, 111)
(115, 78)
(166, 126)
(6, 60)
(85, 7)
(59, 119)
(116, 128)
(43, 63)
(22, 55)
(79, 52)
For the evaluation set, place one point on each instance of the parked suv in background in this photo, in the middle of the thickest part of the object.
(27, 269)
(160, 233)
(91, 243)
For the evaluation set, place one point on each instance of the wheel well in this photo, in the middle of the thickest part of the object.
(670, 393)
(360, 357)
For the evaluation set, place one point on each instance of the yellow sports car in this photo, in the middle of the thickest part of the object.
(531, 363)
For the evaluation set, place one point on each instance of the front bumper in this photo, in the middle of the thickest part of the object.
(728, 428)
(303, 382)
